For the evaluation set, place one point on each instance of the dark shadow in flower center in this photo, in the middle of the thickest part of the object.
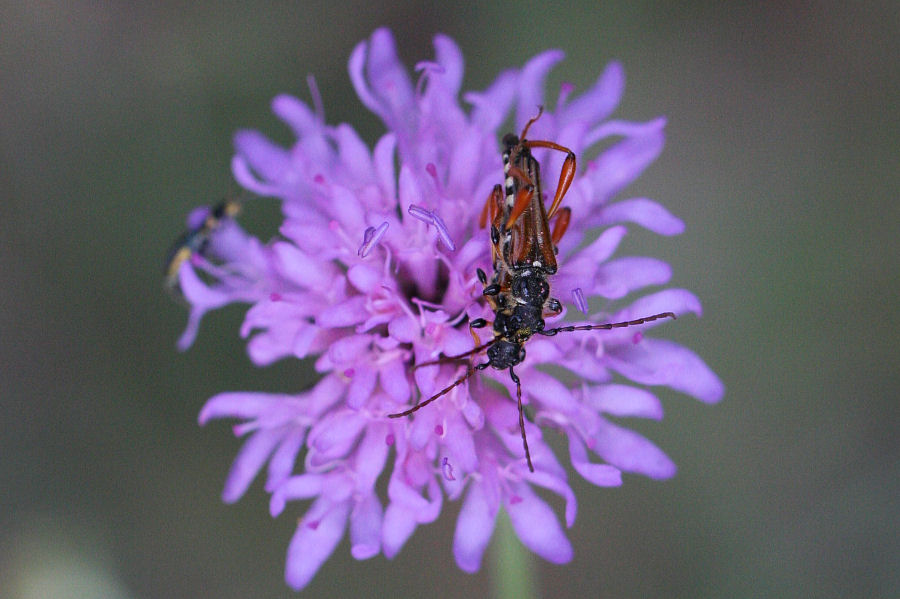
(411, 285)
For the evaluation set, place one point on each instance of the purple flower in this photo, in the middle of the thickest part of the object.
(375, 271)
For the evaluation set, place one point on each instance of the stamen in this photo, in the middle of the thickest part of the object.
(426, 68)
(318, 106)
(447, 469)
(428, 65)
(421, 213)
(443, 233)
(370, 238)
(430, 218)
(368, 234)
(578, 298)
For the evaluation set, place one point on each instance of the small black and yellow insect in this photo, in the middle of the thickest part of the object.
(195, 241)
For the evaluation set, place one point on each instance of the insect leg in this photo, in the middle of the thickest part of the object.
(518, 383)
(561, 224)
(552, 307)
(491, 206)
(566, 176)
(478, 323)
(523, 199)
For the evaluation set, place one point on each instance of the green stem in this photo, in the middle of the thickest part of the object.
(512, 568)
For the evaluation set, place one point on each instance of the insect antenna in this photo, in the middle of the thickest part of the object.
(446, 359)
(606, 326)
(531, 122)
(470, 370)
(518, 383)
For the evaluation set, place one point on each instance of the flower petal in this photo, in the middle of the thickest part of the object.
(679, 301)
(449, 56)
(621, 164)
(349, 350)
(460, 445)
(365, 528)
(343, 314)
(265, 158)
(399, 524)
(243, 405)
(557, 483)
(333, 436)
(381, 82)
(361, 386)
(393, 380)
(550, 391)
(598, 102)
(536, 526)
(364, 277)
(302, 269)
(491, 106)
(661, 362)
(474, 528)
(253, 454)
(313, 543)
(355, 155)
(644, 212)
(303, 486)
(624, 401)
(370, 458)
(384, 166)
(631, 452)
(617, 278)
(296, 115)
(602, 475)
(531, 84)
(281, 464)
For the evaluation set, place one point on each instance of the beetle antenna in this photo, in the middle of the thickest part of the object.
(518, 383)
(469, 372)
(607, 326)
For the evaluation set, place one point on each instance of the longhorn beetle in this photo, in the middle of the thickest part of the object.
(523, 252)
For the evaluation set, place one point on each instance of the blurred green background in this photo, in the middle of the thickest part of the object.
(782, 158)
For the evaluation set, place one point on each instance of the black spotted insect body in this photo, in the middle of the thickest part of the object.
(523, 253)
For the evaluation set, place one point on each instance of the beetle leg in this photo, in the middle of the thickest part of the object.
(566, 176)
(523, 199)
(561, 224)
(491, 206)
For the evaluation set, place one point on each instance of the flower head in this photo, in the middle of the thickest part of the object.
(376, 271)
